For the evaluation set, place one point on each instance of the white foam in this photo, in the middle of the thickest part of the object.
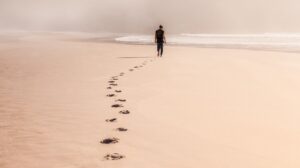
(135, 39)
(268, 40)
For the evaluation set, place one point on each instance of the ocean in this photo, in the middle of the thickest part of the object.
(267, 41)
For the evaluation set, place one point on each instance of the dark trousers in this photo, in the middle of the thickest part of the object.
(160, 48)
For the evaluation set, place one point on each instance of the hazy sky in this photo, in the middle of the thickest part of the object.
(142, 16)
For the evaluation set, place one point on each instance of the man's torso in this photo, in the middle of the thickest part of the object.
(159, 36)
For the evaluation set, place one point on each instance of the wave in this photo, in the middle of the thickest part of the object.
(285, 42)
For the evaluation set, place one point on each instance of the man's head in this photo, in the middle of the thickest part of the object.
(160, 27)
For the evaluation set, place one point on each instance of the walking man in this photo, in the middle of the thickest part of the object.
(160, 40)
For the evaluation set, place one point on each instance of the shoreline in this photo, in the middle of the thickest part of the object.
(212, 47)
(111, 38)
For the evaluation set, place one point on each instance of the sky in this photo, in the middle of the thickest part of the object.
(143, 16)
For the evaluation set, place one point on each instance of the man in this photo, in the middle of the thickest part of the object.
(160, 40)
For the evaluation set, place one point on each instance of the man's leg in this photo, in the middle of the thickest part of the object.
(158, 48)
(161, 49)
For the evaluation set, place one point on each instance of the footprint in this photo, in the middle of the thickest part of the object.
(109, 87)
(114, 156)
(121, 74)
(109, 141)
(118, 91)
(121, 100)
(122, 129)
(131, 69)
(113, 84)
(116, 105)
(111, 120)
(136, 67)
(124, 112)
(111, 95)
(111, 81)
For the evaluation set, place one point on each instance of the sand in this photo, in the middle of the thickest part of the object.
(193, 108)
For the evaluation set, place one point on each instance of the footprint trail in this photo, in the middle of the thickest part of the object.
(112, 84)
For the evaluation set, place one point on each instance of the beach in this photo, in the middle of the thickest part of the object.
(194, 107)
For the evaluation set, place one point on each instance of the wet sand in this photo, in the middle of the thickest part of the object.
(192, 108)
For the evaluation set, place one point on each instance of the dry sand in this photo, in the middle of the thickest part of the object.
(211, 108)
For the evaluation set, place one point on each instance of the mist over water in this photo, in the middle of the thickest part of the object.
(142, 16)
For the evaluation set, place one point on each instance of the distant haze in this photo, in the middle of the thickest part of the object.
(142, 16)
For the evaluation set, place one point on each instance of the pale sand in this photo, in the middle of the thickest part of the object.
(211, 108)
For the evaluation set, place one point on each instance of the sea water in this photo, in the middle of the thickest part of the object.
(268, 41)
